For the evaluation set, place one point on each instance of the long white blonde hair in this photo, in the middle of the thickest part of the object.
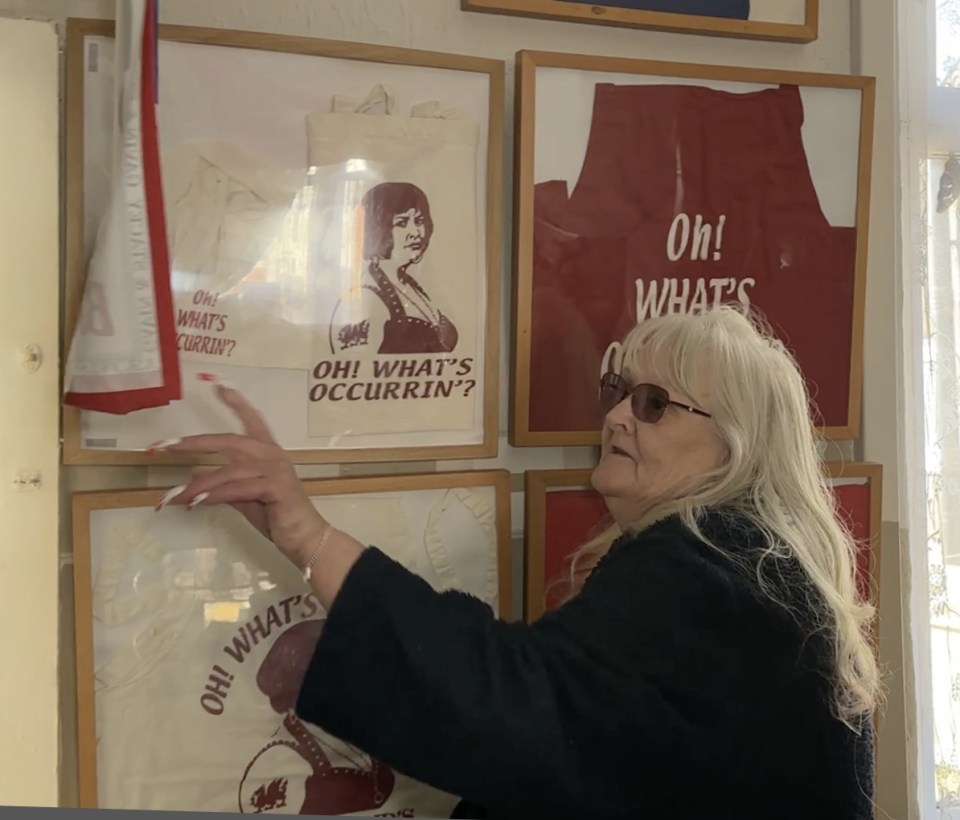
(773, 473)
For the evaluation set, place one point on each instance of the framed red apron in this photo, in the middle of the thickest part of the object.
(646, 188)
(563, 511)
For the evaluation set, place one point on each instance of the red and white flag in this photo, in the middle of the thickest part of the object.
(123, 355)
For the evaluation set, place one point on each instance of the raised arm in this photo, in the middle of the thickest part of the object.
(576, 713)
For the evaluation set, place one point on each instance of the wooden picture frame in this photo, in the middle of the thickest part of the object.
(584, 516)
(803, 29)
(606, 235)
(859, 486)
(303, 317)
(169, 606)
(589, 518)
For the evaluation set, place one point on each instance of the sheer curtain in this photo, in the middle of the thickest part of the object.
(929, 70)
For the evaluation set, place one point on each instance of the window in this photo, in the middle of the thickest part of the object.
(943, 61)
(933, 292)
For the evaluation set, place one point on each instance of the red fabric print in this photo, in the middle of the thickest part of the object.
(330, 789)
(734, 163)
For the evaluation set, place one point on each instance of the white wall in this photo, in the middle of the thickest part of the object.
(851, 39)
(29, 268)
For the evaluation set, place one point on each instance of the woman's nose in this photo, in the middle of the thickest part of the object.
(621, 414)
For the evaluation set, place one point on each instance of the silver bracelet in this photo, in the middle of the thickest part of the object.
(308, 568)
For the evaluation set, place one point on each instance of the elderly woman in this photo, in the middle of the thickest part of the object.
(713, 663)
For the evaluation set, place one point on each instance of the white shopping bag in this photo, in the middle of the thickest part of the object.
(235, 233)
(396, 260)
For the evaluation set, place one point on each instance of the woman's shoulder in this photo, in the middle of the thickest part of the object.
(664, 599)
(724, 538)
(357, 318)
(727, 561)
(723, 535)
(359, 300)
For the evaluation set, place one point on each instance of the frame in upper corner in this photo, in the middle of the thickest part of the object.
(792, 21)
(360, 339)
(647, 187)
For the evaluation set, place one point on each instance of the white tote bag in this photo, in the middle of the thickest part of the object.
(396, 261)
(213, 655)
(234, 235)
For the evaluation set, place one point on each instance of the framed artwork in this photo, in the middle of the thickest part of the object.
(333, 212)
(646, 188)
(562, 512)
(859, 491)
(794, 21)
(196, 617)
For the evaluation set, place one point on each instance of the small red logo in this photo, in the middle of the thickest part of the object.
(270, 797)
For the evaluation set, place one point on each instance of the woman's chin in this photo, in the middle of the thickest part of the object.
(607, 478)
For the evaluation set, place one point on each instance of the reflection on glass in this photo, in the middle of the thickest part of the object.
(224, 611)
(941, 375)
(948, 43)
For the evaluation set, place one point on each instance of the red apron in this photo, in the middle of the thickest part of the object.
(736, 163)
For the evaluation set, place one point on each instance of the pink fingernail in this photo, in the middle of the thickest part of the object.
(162, 445)
(214, 379)
(169, 496)
(198, 500)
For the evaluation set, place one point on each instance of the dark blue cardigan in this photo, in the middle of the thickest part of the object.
(668, 688)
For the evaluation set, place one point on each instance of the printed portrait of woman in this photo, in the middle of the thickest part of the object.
(390, 311)
(292, 773)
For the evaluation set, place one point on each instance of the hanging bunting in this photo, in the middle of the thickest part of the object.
(123, 355)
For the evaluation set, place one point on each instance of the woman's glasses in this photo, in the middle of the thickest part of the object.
(647, 401)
